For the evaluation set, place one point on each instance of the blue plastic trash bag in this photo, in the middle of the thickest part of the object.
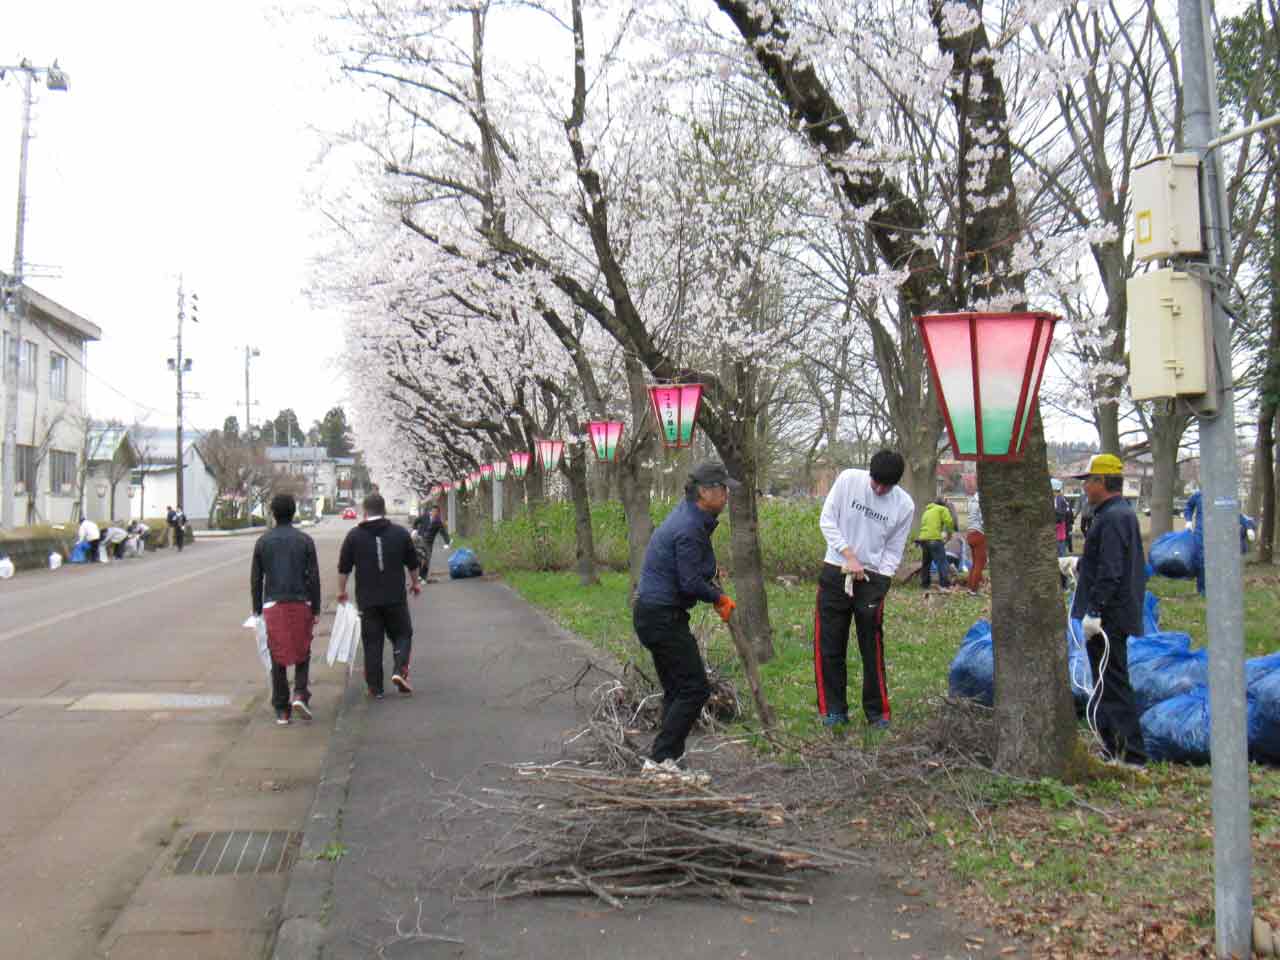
(972, 674)
(1262, 674)
(1079, 669)
(463, 564)
(1163, 666)
(1150, 614)
(1175, 555)
(80, 552)
(1178, 728)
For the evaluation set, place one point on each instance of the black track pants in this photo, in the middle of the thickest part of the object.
(664, 632)
(835, 611)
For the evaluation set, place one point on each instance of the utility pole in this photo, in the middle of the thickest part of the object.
(249, 354)
(1228, 746)
(180, 367)
(55, 79)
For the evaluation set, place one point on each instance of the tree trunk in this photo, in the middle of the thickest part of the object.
(576, 471)
(1034, 713)
(634, 477)
(920, 479)
(744, 537)
(1166, 435)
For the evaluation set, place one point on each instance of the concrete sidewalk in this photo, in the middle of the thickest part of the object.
(387, 843)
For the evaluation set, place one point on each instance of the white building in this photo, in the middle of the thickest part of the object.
(51, 406)
(330, 481)
(155, 480)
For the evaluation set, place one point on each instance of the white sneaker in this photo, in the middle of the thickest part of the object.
(300, 706)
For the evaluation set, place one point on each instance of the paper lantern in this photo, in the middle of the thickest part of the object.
(549, 452)
(675, 407)
(987, 369)
(486, 470)
(520, 463)
(500, 469)
(605, 435)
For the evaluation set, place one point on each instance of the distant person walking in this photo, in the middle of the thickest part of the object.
(1064, 518)
(428, 527)
(977, 540)
(679, 570)
(177, 521)
(284, 582)
(380, 552)
(865, 520)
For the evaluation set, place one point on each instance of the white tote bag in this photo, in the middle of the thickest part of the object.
(259, 626)
(342, 637)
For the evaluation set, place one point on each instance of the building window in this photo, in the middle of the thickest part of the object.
(25, 474)
(27, 370)
(62, 473)
(57, 376)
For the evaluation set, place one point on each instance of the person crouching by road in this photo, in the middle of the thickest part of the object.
(1111, 585)
(90, 535)
(380, 552)
(866, 520)
(285, 583)
(429, 527)
(679, 570)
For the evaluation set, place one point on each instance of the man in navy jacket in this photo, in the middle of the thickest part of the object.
(679, 570)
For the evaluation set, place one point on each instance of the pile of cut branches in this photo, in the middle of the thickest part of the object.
(578, 831)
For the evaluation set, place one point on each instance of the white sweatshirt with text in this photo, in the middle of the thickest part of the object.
(875, 526)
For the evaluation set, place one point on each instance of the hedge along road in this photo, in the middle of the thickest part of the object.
(131, 713)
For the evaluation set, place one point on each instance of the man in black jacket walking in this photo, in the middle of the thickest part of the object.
(284, 583)
(1111, 587)
(380, 552)
(428, 527)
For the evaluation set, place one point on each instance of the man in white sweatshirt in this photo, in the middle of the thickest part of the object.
(866, 520)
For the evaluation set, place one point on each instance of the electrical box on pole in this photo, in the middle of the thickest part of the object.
(1171, 338)
(1166, 207)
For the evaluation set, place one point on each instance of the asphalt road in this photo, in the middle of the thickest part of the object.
(133, 708)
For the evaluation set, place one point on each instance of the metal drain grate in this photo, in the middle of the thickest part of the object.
(240, 853)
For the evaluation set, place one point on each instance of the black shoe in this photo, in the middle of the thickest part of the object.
(282, 718)
(376, 694)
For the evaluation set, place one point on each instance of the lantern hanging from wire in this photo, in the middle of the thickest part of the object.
(675, 407)
(605, 435)
(987, 369)
(486, 470)
(520, 463)
(499, 469)
(549, 453)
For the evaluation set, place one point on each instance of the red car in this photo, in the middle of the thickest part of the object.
(349, 513)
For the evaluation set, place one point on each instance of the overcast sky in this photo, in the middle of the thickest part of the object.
(182, 147)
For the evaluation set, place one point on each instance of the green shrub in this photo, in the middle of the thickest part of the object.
(542, 539)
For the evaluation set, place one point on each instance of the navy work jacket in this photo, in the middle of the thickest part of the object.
(679, 564)
(1111, 576)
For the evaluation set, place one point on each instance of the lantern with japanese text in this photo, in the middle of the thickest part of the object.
(520, 463)
(549, 453)
(675, 407)
(987, 369)
(605, 435)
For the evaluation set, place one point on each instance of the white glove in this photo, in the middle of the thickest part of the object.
(1092, 627)
(1189, 525)
(848, 584)
(1252, 535)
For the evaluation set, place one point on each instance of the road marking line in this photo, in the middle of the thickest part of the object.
(73, 614)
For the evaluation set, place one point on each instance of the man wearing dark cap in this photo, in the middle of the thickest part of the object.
(679, 570)
(1111, 585)
(865, 520)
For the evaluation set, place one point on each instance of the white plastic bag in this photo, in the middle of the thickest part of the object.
(259, 626)
(103, 553)
(6, 568)
(343, 635)
(55, 560)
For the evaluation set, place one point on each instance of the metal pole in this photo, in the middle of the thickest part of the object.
(453, 512)
(181, 462)
(246, 390)
(497, 500)
(13, 362)
(1232, 857)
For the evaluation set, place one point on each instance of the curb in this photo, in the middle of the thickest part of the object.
(301, 933)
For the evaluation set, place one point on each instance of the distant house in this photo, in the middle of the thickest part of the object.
(51, 405)
(329, 481)
(155, 479)
(111, 460)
